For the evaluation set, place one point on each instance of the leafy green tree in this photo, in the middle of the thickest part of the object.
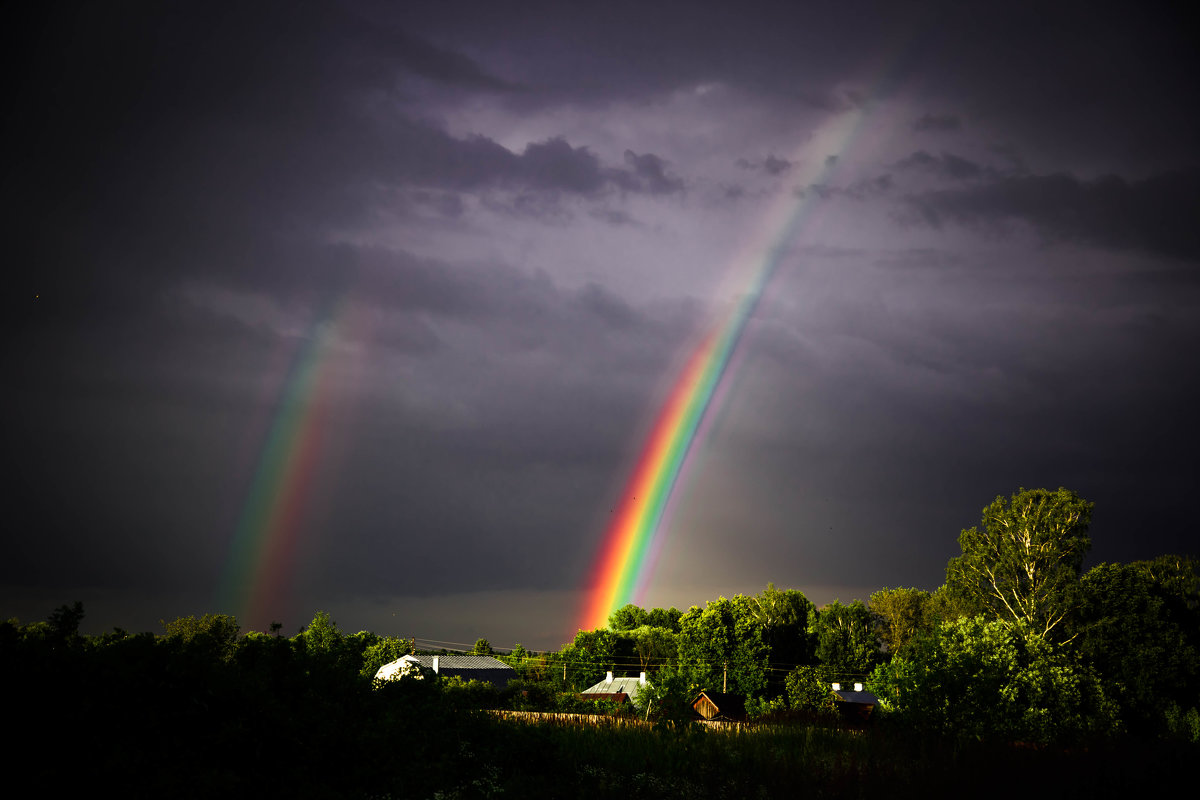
(327, 650)
(847, 641)
(664, 618)
(1140, 635)
(987, 679)
(1022, 564)
(215, 632)
(64, 621)
(322, 635)
(1177, 577)
(516, 659)
(900, 614)
(631, 617)
(947, 604)
(651, 647)
(722, 648)
(482, 648)
(787, 620)
(669, 696)
(585, 660)
(535, 667)
(384, 651)
(627, 617)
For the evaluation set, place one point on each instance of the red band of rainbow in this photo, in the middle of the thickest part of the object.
(632, 543)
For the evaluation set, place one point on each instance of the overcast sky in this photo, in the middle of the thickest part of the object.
(462, 249)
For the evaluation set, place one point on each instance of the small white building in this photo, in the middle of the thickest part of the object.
(469, 668)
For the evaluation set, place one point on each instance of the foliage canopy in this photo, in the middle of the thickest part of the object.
(1023, 563)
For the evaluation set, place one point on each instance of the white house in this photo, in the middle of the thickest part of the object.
(478, 668)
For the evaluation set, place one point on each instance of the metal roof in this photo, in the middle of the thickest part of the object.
(458, 662)
(865, 698)
(625, 686)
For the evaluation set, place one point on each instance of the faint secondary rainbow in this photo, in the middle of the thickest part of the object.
(263, 552)
(634, 538)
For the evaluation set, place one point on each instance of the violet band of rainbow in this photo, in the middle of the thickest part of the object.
(633, 541)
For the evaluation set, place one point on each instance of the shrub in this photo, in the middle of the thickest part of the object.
(809, 691)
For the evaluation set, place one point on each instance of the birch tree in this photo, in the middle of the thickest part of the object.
(1023, 563)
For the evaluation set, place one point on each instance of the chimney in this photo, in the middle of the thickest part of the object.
(858, 687)
(609, 678)
(435, 663)
(642, 679)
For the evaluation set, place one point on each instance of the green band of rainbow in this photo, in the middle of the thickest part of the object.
(634, 539)
(256, 581)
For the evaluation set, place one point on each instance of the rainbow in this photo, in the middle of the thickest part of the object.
(255, 583)
(631, 546)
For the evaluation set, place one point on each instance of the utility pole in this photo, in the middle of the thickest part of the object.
(725, 678)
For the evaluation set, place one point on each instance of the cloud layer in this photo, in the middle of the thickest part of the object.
(505, 229)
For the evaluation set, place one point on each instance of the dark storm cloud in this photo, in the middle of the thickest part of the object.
(444, 203)
(776, 166)
(1156, 214)
(196, 188)
(937, 122)
(429, 61)
(651, 173)
(1057, 74)
(555, 164)
(613, 216)
(186, 162)
(998, 373)
(413, 152)
(947, 165)
(189, 140)
(167, 408)
(859, 190)
(772, 165)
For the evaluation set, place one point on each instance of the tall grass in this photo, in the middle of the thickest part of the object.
(560, 757)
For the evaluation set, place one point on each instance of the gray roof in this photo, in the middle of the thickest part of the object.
(460, 662)
(866, 698)
(626, 686)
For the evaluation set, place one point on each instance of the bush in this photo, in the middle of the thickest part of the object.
(1182, 724)
(809, 690)
(759, 709)
(994, 680)
(524, 695)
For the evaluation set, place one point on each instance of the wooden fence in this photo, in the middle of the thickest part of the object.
(543, 717)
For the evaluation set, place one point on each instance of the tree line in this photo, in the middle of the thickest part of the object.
(1019, 645)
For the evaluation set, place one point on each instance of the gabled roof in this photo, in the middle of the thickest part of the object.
(725, 704)
(626, 686)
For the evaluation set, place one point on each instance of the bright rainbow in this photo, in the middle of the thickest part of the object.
(634, 539)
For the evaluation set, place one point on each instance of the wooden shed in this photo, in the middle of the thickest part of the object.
(854, 705)
(721, 705)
